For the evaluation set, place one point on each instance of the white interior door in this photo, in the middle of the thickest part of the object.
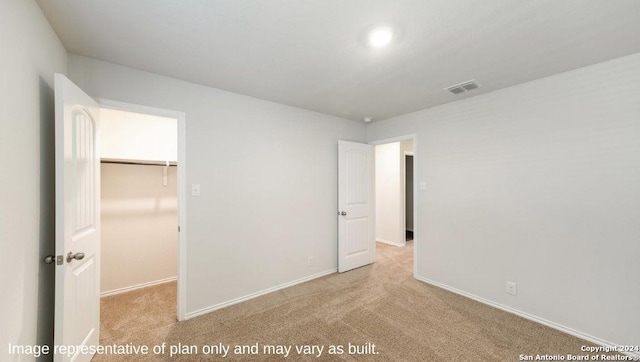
(77, 300)
(356, 205)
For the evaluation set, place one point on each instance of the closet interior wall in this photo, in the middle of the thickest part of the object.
(139, 226)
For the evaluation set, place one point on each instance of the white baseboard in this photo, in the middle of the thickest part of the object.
(528, 316)
(390, 242)
(212, 308)
(138, 286)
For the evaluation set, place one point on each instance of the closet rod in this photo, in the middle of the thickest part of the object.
(142, 163)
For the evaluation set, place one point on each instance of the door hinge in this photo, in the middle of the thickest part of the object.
(178, 228)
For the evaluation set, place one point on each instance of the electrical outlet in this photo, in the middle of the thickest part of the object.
(310, 261)
(512, 288)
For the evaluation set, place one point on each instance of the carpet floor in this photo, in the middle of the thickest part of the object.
(380, 304)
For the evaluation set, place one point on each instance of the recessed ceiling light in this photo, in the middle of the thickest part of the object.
(380, 37)
(368, 119)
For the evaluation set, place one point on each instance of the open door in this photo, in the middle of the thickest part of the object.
(356, 205)
(77, 300)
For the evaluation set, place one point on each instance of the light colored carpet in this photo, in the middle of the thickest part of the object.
(381, 304)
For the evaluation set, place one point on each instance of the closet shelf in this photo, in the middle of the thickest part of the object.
(137, 162)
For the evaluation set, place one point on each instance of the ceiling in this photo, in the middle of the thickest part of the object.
(313, 54)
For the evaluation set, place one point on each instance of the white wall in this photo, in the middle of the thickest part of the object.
(31, 53)
(388, 194)
(537, 184)
(284, 174)
(135, 136)
(139, 226)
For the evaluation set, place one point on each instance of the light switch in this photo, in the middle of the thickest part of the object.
(195, 189)
(423, 185)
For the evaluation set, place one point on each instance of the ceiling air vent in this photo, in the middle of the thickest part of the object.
(463, 87)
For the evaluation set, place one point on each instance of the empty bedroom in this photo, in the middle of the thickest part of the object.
(420, 180)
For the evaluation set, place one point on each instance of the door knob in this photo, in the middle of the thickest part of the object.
(343, 213)
(76, 256)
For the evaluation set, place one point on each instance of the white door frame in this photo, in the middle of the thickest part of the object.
(414, 138)
(182, 193)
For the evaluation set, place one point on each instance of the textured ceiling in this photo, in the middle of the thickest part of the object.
(312, 53)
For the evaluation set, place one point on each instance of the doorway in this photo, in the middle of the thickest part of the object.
(396, 205)
(408, 195)
(143, 200)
